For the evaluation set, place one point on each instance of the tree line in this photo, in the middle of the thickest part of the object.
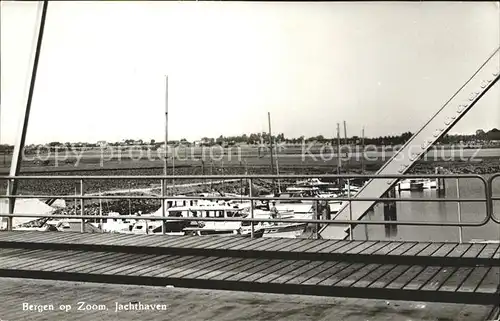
(480, 136)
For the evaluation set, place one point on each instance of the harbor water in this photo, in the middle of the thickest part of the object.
(437, 212)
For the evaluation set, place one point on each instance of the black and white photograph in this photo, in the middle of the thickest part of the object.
(250, 160)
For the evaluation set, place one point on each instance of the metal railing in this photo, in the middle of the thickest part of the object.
(487, 200)
(493, 198)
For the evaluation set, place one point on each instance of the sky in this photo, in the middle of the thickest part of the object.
(385, 66)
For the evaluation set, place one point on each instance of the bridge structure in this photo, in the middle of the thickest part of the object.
(447, 272)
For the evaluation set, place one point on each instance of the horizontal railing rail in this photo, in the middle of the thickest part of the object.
(265, 176)
(487, 199)
(241, 219)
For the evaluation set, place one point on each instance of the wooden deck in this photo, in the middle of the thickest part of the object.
(434, 272)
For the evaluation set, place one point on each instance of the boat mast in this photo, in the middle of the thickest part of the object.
(165, 168)
(347, 144)
(271, 143)
(338, 152)
(363, 150)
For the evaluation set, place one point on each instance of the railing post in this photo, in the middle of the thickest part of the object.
(350, 208)
(82, 212)
(252, 228)
(10, 219)
(459, 212)
(163, 205)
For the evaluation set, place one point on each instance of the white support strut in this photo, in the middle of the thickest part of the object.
(416, 147)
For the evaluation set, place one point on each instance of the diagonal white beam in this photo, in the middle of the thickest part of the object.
(437, 126)
(15, 166)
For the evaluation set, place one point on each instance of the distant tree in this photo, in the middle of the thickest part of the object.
(493, 134)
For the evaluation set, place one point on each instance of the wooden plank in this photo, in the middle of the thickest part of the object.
(55, 237)
(81, 261)
(291, 271)
(373, 276)
(111, 262)
(9, 235)
(400, 250)
(41, 237)
(67, 256)
(21, 260)
(325, 274)
(221, 265)
(245, 264)
(151, 241)
(431, 249)
(364, 246)
(294, 246)
(6, 253)
(333, 246)
(405, 278)
(220, 241)
(474, 250)
(444, 250)
(318, 244)
(388, 248)
(144, 241)
(374, 248)
(223, 269)
(306, 245)
(417, 249)
(16, 253)
(124, 266)
(343, 274)
(347, 247)
(187, 241)
(99, 239)
(165, 261)
(358, 275)
(203, 265)
(90, 265)
(287, 244)
(474, 279)
(198, 240)
(263, 244)
(275, 270)
(74, 238)
(456, 280)
(460, 250)
(324, 245)
(159, 243)
(147, 263)
(59, 265)
(497, 254)
(234, 245)
(260, 266)
(245, 245)
(488, 251)
(178, 240)
(171, 269)
(27, 236)
(315, 270)
(422, 278)
(440, 278)
(491, 281)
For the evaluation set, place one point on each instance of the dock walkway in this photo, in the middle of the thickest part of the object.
(413, 271)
